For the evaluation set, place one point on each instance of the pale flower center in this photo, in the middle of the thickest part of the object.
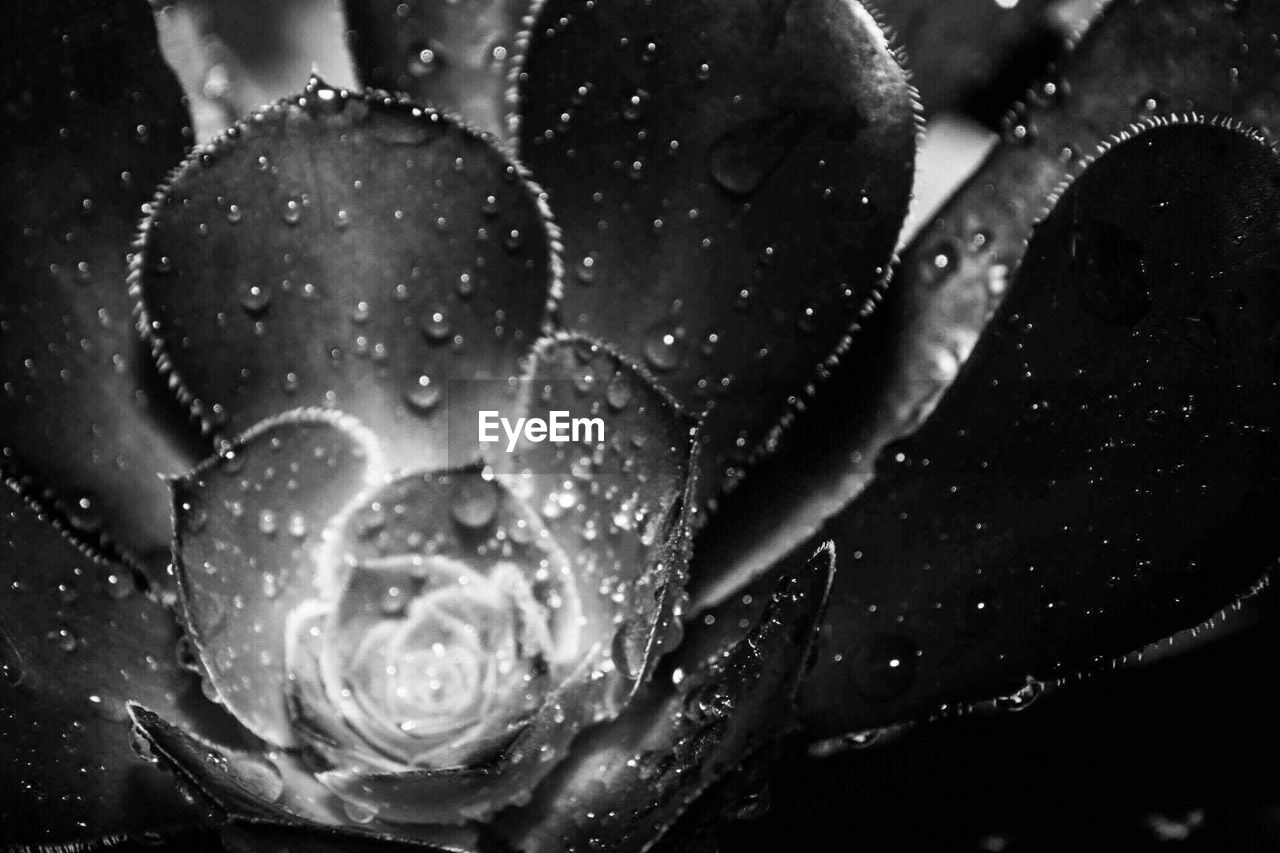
(449, 679)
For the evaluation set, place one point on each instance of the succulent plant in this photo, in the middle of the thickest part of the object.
(262, 587)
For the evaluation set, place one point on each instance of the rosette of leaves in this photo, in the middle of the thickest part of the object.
(334, 621)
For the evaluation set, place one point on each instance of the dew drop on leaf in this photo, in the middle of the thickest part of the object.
(108, 706)
(435, 325)
(255, 299)
(475, 502)
(256, 775)
(664, 346)
(423, 396)
(358, 813)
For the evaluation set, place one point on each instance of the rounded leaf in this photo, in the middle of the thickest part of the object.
(249, 546)
(629, 781)
(94, 120)
(351, 251)
(77, 642)
(737, 172)
(1078, 488)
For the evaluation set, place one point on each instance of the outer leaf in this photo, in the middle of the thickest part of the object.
(348, 250)
(275, 796)
(452, 54)
(248, 549)
(1137, 61)
(738, 170)
(1110, 441)
(629, 781)
(94, 119)
(76, 642)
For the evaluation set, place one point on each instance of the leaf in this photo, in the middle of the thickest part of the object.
(77, 641)
(352, 251)
(623, 509)
(1136, 62)
(248, 794)
(737, 172)
(628, 782)
(94, 119)
(451, 54)
(249, 546)
(1104, 470)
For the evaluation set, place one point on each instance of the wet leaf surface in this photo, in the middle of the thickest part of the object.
(1080, 486)
(1013, 781)
(1138, 61)
(273, 795)
(451, 54)
(93, 121)
(628, 781)
(738, 171)
(249, 547)
(77, 641)
(350, 251)
(623, 508)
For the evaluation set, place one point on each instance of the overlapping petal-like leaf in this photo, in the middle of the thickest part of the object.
(274, 796)
(628, 782)
(93, 120)
(353, 251)
(78, 641)
(739, 170)
(621, 510)
(1072, 495)
(249, 528)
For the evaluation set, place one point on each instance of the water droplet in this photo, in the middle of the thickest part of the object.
(664, 346)
(108, 706)
(888, 667)
(475, 502)
(585, 271)
(422, 61)
(742, 158)
(267, 523)
(297, 526)
(256, 775)
(618, 392)
(292, 211)
(358, 813)
(255, 299)
(939, 262)
(63, 638)
(424, 395)
(1022, 698)
(436, 325)
(234, 214)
